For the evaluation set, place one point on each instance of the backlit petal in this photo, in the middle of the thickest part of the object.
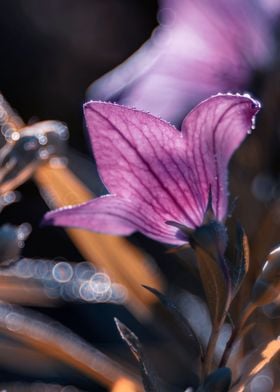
(112, 215)
(213, 130)
(156, 174)
(142, 159)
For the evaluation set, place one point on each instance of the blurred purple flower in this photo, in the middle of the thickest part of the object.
(157, 174)
(200, 48)
(271, 7)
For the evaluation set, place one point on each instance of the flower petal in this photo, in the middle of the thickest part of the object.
(142, 158)
(200, 48)
(112, 215)
(212, 131)
(157, 174)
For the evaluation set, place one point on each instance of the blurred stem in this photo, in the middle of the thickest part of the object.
(210, 350)
(249, 309)
(62, 345)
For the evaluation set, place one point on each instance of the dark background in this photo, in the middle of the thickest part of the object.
(51, 51)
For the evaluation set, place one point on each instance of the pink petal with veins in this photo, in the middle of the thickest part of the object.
(213, 130)
(111, 215)
(157, 173)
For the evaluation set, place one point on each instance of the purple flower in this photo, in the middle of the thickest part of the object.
(271, 7)
(200, 48)
(155, 173)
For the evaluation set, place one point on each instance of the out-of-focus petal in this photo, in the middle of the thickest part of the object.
(271, 7)
(213, 130)
(200, 48)
(112, 215)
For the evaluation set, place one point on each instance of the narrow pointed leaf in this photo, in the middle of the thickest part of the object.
(240, 265)
(214, 284)
(181, 321)
(149, 380)
(209, 243)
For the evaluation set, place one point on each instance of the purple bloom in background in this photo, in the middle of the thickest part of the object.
(272, 7)
(155, 173)
(200, 48)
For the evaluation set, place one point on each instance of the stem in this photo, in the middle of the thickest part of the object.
(235, 333)
(210, 350)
